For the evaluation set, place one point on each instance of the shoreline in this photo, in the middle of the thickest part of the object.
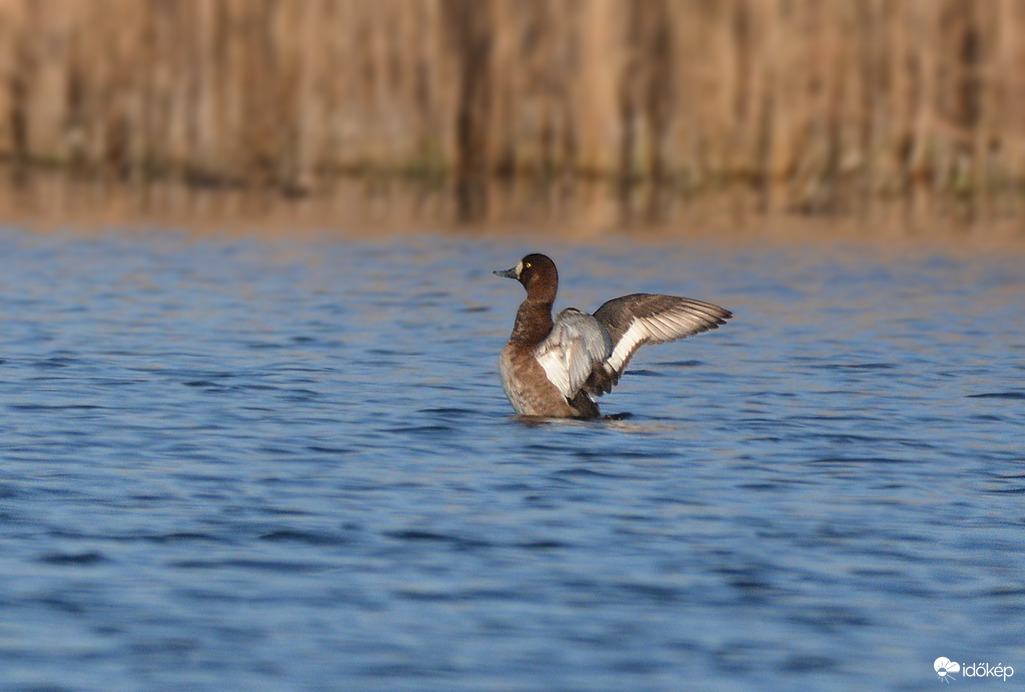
(568, 210)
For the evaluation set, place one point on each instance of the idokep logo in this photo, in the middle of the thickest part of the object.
(946, 669)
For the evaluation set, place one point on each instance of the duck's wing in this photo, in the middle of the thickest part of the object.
(642, 318)
(577, 345)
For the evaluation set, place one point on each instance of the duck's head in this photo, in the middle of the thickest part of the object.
(538, 275)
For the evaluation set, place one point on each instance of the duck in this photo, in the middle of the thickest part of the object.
(557, 368)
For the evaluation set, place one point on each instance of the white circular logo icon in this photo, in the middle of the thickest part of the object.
(944, 666)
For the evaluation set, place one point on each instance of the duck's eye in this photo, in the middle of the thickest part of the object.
(526, 265)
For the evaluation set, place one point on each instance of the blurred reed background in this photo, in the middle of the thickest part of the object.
(819, 106)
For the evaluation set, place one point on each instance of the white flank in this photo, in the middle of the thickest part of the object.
(556, 367)
(575, 346)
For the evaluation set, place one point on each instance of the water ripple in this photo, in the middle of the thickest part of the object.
(283, 465)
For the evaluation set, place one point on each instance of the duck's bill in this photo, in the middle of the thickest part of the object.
(505, 273)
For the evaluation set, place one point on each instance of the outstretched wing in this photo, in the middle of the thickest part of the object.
(642, 318)
(576, 346)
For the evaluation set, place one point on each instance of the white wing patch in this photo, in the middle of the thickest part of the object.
(659, 328)
(576, 345)
(632, 339)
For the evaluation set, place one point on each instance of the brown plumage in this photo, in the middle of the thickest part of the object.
(556, 368)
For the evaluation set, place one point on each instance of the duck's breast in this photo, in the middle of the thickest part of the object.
(527, 386)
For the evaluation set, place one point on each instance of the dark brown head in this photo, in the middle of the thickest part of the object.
(538, 275)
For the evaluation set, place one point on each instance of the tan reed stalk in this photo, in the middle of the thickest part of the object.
(820, 105)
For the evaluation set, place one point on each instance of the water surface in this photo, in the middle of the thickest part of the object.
(291, 466)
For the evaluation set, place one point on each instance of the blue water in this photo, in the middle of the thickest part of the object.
(234, 463)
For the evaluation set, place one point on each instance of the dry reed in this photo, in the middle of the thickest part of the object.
(821, 105)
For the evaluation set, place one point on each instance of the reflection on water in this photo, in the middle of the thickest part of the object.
(290, 465)
(573, 208)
